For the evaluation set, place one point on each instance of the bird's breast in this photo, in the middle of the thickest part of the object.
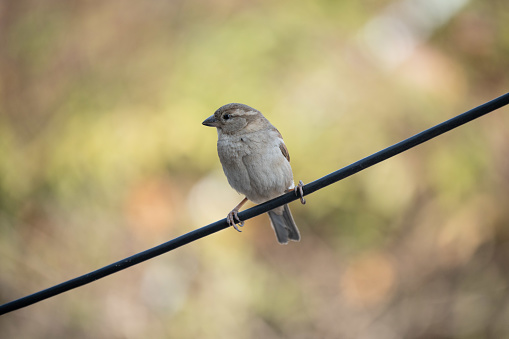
(254, 167)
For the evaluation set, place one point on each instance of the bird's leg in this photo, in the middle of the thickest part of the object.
(233, 218)
(298, 192)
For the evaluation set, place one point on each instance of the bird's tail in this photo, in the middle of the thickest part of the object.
(283, 225)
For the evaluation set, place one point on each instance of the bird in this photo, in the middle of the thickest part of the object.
(256, 163)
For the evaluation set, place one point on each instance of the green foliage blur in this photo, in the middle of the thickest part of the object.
(103, 155)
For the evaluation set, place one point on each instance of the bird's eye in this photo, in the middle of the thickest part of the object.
(226, 116)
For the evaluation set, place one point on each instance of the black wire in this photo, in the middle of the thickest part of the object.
(259, 209)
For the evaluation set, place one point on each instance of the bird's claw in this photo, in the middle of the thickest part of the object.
(299, 192)
(233, 220)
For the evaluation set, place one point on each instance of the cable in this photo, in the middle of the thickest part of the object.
(262, 208)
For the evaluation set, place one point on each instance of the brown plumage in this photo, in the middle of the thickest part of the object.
(256, 163)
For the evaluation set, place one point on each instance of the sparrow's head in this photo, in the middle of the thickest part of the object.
(232, 118)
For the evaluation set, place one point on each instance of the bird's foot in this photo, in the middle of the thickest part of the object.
(233, 219)
(298, 192)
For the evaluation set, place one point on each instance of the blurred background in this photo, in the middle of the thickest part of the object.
(103, 155)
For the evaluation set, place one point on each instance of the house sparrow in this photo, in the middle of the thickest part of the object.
(256, 163)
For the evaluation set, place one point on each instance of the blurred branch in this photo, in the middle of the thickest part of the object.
(262, 208)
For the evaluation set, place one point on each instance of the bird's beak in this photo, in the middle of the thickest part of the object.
(211, 121)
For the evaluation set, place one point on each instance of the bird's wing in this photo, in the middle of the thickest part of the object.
(282, 146)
